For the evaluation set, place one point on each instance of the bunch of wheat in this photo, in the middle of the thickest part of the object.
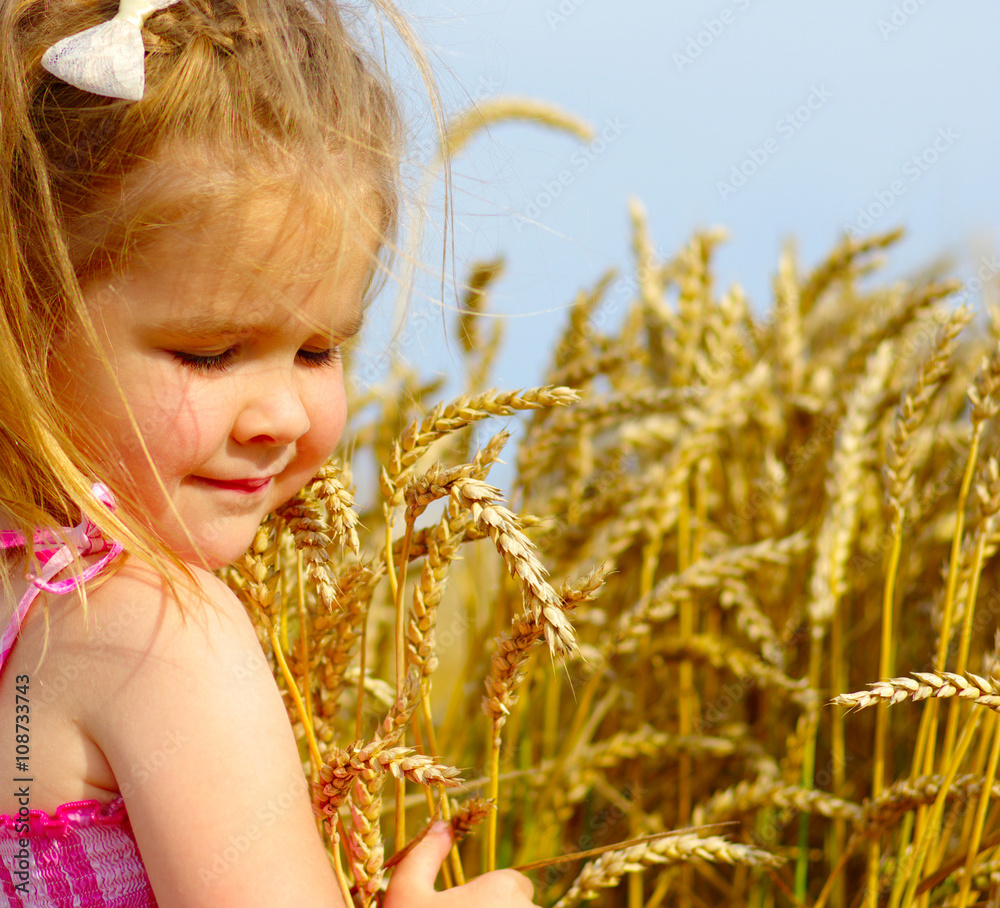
(720, 520)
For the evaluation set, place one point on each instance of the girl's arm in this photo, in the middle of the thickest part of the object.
(193, 726)
(191, 721)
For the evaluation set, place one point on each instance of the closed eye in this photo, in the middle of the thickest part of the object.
(320, 357)
(217, 362)
(205, 363)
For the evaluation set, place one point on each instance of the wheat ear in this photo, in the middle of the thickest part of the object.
(518, 553)
(447, 418)
(608, 869)
(464, 126)
(923, 685)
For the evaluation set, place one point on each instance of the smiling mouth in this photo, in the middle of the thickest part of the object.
(246, 486)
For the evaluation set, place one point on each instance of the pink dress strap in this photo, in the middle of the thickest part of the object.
(56, 552)
(85, 854)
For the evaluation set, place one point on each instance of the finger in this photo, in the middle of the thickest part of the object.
(415, 874)
(520, 881)
(508, 884)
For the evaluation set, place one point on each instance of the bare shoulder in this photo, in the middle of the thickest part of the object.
(140, 624)
(141, 636)
(183, 705)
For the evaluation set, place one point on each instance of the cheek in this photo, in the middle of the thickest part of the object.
(327, 417)
(98, 417)
(179, 427)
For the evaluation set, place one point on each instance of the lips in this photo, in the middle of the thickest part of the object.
(246, 486)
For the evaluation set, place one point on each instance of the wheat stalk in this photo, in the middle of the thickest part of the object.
(913, 410)
(608, 869)
(922, 685)
(884, 811)
(746, 797)
(447, 418)
(518, 553)
(488, 111)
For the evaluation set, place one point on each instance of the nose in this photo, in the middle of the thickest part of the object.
(272, 411)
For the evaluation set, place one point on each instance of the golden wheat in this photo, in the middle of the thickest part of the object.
(700, 529)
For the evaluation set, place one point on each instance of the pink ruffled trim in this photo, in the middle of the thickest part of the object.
(72, 815)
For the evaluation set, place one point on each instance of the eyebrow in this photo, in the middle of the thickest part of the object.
(218, 325)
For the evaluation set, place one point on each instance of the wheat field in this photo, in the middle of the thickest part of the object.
(728, 637)
(732, 622)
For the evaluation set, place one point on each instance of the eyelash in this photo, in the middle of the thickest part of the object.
(218, 362)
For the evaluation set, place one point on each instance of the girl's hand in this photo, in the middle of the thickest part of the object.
(412, 882)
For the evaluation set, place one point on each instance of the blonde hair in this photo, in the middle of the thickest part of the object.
(281, 85)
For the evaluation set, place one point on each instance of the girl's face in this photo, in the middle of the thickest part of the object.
(229, 366)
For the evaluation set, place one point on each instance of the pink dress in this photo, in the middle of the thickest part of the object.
(85, 855)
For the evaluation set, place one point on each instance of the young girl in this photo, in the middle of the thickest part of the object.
(196, 196)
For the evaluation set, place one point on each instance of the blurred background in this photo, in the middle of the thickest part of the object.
(775, 119)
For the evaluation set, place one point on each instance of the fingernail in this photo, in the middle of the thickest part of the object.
(440, 826)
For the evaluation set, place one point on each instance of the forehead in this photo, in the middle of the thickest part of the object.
(222, 247)
(256, 212)
(294, 223)
(267, 242)
(242, 276)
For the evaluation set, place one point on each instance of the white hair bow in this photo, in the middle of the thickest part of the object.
(108, 59)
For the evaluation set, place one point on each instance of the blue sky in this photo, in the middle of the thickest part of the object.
(771, 118)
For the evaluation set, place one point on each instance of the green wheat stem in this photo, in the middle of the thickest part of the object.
(980, 820)
(914, 869)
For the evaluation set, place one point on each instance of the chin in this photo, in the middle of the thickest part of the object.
(220, 554)
(219, 550)
(212, 561)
